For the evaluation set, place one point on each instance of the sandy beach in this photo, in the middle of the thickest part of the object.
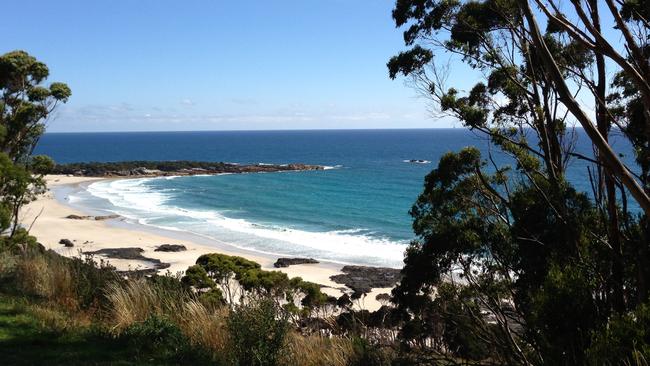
(47, 218)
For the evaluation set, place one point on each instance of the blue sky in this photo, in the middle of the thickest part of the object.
(218, 65)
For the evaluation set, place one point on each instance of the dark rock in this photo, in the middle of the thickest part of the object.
(286, 262)
(362, 279)
(161, 265)
(106, 217)
(131, 254)
(67, 242)
(77, 217)
(120, 253)
(419, 161)
(98, 218)
(171, 248)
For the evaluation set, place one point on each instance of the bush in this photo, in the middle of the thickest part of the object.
(7, 264)
(73, 282)
(90, 279)
(624, 339)
(258, 333)
(367, 354)
(156, 335)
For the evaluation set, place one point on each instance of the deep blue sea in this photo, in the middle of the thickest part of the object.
(356, 211)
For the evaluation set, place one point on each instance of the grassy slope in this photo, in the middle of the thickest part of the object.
(25, 339)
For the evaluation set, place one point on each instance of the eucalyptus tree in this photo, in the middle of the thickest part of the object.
(512, 264)
(25, 105)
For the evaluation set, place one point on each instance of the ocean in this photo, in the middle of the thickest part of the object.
(353, 212)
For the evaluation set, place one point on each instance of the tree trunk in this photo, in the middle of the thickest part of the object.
(613, 163)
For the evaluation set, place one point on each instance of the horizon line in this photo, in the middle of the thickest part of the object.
(280, 130)
(271, 130)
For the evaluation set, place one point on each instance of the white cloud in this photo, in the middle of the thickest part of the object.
(127, 117)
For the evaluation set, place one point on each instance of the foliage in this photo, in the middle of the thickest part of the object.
(77, 283)
(157, 320)
(511, 264)
(156, 336)
(258, 333)
(33, 333)
(235, 279)
(625, 337)
(101, 168)
(25, 105)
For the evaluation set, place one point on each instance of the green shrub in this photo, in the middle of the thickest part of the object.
(367, 354)
(258, 333)
(212, 299)
(89, 278)
(156, 336)
(624, 339)
(78, 282)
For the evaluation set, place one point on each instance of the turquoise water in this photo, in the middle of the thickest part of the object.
(355, 211)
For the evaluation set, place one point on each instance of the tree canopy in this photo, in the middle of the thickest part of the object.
(25, 105)
(511, 263)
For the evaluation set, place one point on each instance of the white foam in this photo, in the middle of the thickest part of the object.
(133, 199)
(327, 167)
(417, 161)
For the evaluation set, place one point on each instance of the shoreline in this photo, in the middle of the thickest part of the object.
(48, 216)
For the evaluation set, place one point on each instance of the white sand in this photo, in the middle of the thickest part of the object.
(46, 216)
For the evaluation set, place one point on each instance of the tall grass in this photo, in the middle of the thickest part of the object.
(75, 283)
(205, 327)
(37, 275)
(130, 303)
(316, 350)
(142, 310)
(136, 300)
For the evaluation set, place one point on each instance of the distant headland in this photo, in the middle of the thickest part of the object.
(171, 168)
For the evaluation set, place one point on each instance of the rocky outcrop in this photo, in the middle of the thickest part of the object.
(417, 161)
(171, 248)
(67, 242)
(97, 218)
(131, 254)
(362, 279)
(169, 168)
(286, 262)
